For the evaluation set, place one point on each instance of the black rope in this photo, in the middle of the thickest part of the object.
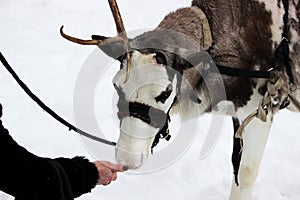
(283, 50)
(164, 132)
(46, 108)
(286, 28)
(229, 71)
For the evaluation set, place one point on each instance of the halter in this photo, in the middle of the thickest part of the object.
(148, 114)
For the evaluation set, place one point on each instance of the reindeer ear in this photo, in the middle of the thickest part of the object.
(116, 49)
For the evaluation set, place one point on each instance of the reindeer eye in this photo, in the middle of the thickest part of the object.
(122, 60)
(164, 95)
(160, 58)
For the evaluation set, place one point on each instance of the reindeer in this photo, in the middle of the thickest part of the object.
(254, 45)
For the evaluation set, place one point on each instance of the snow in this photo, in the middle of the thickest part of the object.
(49, 65)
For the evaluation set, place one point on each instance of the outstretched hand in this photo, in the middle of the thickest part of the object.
(108, 171)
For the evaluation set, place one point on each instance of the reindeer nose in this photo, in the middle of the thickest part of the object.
(130, 160)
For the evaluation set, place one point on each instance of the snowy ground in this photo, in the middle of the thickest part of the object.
(49, 65)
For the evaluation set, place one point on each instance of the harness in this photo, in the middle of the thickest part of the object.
(279, 89)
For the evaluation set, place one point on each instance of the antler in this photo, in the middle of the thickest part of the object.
(121, 32)
(79, 41)
(121, 37)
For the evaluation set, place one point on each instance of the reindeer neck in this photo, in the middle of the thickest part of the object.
(191, 22)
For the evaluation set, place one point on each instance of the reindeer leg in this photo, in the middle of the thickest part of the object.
(236, 159)
(254, 141)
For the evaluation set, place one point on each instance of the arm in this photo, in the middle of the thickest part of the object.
(25, 175)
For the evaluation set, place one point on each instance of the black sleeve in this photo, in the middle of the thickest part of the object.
(82, 174)
(27, 176)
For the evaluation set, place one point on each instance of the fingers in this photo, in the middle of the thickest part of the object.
(114, 167)
(107, 183)
(107, 172)
(113, 177)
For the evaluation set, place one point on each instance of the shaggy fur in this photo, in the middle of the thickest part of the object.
(240, 34)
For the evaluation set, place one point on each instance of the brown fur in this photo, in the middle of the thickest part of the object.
(295, 24)
(242, 39)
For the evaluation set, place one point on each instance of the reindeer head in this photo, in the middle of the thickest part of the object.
(147, 83)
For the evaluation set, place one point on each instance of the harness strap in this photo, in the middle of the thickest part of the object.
(152, 116)
(283, 51)
(229, 71)
(271, 102)
(283, 59)
(261, 113)
(204, 56)
(164, 132)
(148, 114)
(286, 4)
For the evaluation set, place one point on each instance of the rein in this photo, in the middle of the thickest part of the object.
(42, 105)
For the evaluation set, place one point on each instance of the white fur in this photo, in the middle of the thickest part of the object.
(252, 104)
(147, 80)
(295, 38)
(277, 19)
(255, 138)
(187, 108)
(134, 131)
(225, 108)
(142, 129)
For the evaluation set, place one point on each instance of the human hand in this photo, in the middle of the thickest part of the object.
(107, 171)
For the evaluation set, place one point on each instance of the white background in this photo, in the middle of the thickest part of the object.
(49, 65)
